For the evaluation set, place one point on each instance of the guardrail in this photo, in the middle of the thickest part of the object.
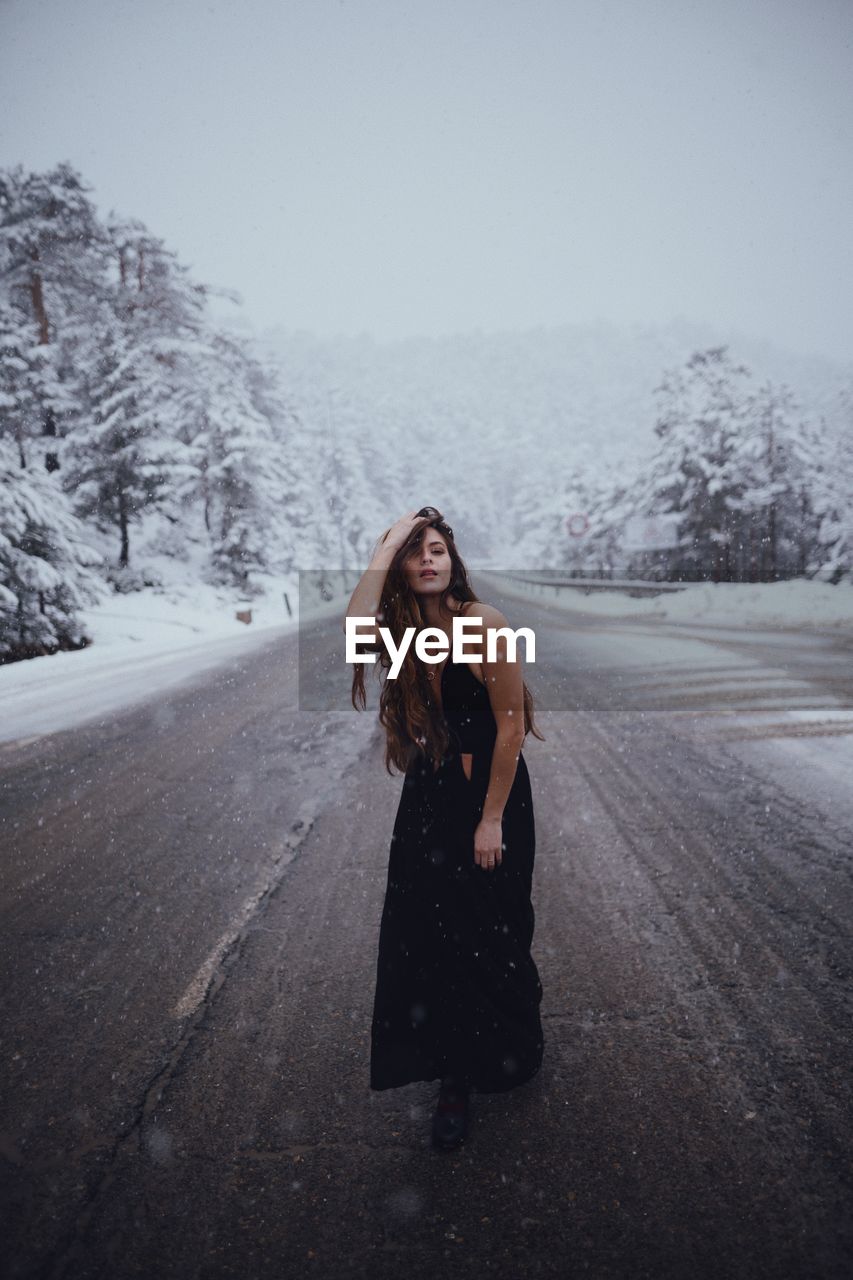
(553, 581)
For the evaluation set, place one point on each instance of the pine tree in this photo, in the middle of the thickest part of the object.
(45, 573)
(125, 452)
(236, 465)
(46, 566)
(117, 456)
(832, 497)
(21, 367)
(701, 416)
(52, 261)
(768, 478)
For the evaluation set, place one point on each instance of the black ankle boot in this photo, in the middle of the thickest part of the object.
(450, 1121)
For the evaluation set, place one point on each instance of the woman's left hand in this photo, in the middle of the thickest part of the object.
(488, 843)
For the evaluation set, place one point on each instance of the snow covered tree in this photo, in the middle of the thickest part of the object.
(345, 523)
(236, 468)
(700, 420)
(20, 368)
(124, 451)
(118, 456)
(52, 262)
(46, 566)
(153, 289)
(832, 498)
(747, 475)
(769, 480)
(45, 571)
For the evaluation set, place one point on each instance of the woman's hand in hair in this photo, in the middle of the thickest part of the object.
(400, 532)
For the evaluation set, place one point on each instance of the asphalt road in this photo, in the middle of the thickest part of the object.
(190, 901)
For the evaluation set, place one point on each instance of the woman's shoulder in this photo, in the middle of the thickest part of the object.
(487, 613)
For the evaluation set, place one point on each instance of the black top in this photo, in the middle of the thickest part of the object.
(467, 709)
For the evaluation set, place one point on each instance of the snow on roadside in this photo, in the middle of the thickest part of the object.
(809, 750)
(143, 643)
(796, 603)
(150, 641)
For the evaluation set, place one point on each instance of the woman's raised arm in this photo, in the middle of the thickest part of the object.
(364, 601)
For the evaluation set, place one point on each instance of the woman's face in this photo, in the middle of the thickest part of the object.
(428, 567)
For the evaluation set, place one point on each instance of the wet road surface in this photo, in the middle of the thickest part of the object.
(190, 899)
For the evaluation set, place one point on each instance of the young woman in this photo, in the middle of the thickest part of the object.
(457, 991)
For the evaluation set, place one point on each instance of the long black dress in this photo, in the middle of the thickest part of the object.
(457, 990)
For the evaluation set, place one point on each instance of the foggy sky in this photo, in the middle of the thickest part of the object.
(400, 168)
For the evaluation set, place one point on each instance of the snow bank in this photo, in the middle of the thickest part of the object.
(142, 644)
(796, 603)
(147, 642)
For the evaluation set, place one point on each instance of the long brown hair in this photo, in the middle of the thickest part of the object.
(412, 724)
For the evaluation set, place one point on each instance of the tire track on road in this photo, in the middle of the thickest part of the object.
(737, 1005)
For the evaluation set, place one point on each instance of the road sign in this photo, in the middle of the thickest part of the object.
(577, 524)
